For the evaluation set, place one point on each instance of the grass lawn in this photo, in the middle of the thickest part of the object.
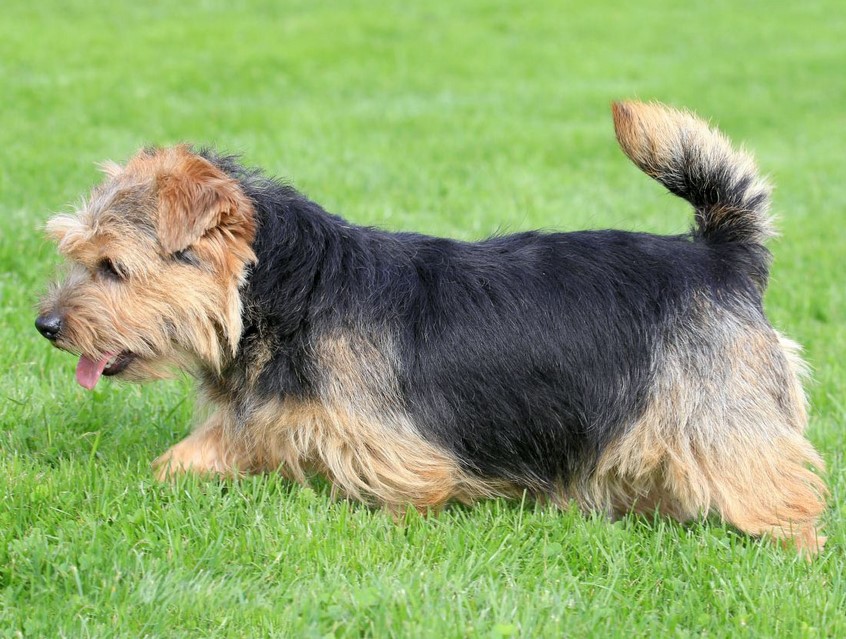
(455, 118)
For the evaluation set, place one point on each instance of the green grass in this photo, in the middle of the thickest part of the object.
(462, 119)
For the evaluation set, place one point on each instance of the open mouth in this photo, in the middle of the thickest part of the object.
(117, 363)
(89, 370)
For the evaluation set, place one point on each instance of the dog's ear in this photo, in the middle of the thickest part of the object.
(110, 169)
(195, 197)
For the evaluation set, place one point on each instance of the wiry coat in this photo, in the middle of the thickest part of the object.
(622, 370)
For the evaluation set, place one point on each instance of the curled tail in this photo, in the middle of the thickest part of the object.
(697, 163)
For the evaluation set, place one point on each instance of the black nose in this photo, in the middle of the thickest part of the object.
(49, 325)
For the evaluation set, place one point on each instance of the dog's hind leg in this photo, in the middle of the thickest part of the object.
(765, 487)
(760, 485)
(764, 484)
(723, 433)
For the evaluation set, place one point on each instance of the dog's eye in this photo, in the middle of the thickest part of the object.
(187, 256)
(110, 270)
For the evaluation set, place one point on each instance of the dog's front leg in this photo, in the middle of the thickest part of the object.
(206, 451)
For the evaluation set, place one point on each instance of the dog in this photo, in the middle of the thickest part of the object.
(625, 372)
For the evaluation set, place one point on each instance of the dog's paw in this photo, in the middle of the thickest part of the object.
(196, 454)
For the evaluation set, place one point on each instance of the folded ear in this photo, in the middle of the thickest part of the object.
(195, 197)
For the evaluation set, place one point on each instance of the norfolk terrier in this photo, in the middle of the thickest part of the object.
(620, 371)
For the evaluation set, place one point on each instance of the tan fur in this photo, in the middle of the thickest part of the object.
(354, 434)
(722, 434)
(369, 460)
(194, 197)
(165, 312)
(205, 452)
(299, 439)
(110, 169)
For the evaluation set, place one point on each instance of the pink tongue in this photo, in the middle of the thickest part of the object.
(88, 371)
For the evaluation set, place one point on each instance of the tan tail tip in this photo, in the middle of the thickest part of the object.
(627, 110)
(627, 115)
(647, 131)
(621, 110)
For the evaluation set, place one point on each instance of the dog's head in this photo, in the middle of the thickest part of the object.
(156, 257)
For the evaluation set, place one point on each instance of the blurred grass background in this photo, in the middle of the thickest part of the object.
(462, 119)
